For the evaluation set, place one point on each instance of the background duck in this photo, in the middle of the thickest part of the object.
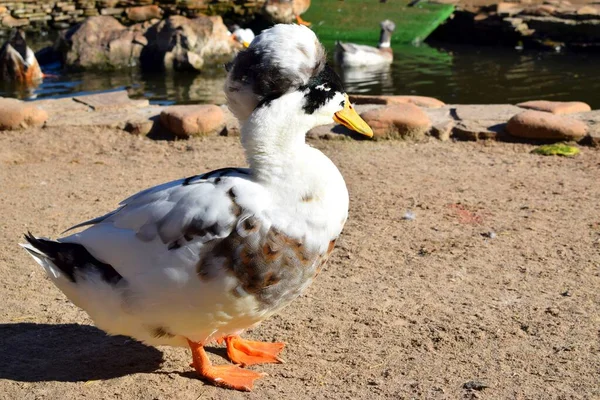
(358, 55)
(286, 11)
(204, 258)
(17, 61)
(241, 35)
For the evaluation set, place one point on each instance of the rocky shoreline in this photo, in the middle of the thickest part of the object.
(391, 117)
(551, 24)
(36, 15)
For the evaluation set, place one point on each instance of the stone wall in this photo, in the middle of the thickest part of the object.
(38, 15)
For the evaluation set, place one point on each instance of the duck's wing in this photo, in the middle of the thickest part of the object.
(354, 48)
(165, 226)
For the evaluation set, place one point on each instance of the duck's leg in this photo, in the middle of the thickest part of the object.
(300, 21)
(247, 352)
(229, 376)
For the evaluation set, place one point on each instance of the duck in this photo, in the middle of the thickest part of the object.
(286, 11)
(17, 61)
(202, 259)
(242, 36)
(357, 55)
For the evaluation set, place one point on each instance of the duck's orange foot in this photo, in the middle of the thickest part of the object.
(300, 21)
(231, 377)
(247, 352)
(227, 376)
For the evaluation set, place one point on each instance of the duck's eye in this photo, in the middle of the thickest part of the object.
(343, 103)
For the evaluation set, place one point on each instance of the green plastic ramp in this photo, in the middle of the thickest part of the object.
(358, 21)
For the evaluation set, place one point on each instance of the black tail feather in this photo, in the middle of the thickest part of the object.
(73, 257)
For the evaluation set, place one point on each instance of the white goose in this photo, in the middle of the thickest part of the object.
(204, 258)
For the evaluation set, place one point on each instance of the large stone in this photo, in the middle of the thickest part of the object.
(11, 22)
(556, 107)
(15, 114)
(421, 101)
(118, 100)
(398, 121)
(488, 112)
(478, 129)
(187, 44)
(545, 126)
(193, 120)
(144, 13)
(3, 10)
(100, 42)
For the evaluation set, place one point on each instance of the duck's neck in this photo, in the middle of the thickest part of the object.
(385, 39)
(274, 139)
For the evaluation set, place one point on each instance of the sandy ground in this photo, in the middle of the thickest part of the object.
(405, 309)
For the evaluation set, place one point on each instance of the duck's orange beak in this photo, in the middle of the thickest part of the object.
(351, 120)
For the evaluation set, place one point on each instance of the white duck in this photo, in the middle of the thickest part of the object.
(204, 258)
(358, 55)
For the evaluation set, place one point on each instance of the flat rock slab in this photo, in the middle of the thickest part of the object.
(109, 119)
(488, 112)
(478, 129)
(421, 101)
(110, 101)
(16, 114)
(398, 121)
(545, 126)
(556, 107)
(193, 120)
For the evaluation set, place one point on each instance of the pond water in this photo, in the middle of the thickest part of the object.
(454, 74)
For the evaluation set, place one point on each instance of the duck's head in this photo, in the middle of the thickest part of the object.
(387, 28)
(284, 74)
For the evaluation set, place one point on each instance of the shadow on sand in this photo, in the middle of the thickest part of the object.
(70, 353)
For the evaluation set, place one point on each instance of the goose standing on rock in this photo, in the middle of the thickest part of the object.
(358, 55)
(204, 258)
(17, 61)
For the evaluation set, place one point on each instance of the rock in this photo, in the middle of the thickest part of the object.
(398, 121)
(3, 10)
(478, 129)
(588, 10)
(144, 13)
(11, 22)
(139, 127)
(442, 122)
(542, 125)
(421, 101)
(100, 42)
(489, 112)
(556, 107)
(232, 124)
(592, 120)
(193, 120)
(110, 101)
(591, 139)
(442, 130)
(508, 8)
(15, 114)
(187, 44)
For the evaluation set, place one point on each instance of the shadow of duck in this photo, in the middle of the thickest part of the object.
(70, 353)
(18, 64)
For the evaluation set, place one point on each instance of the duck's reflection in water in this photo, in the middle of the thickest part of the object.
(373, 79)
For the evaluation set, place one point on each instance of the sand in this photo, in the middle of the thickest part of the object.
(495, 280)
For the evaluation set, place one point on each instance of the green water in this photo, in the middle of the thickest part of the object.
(457, 74)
